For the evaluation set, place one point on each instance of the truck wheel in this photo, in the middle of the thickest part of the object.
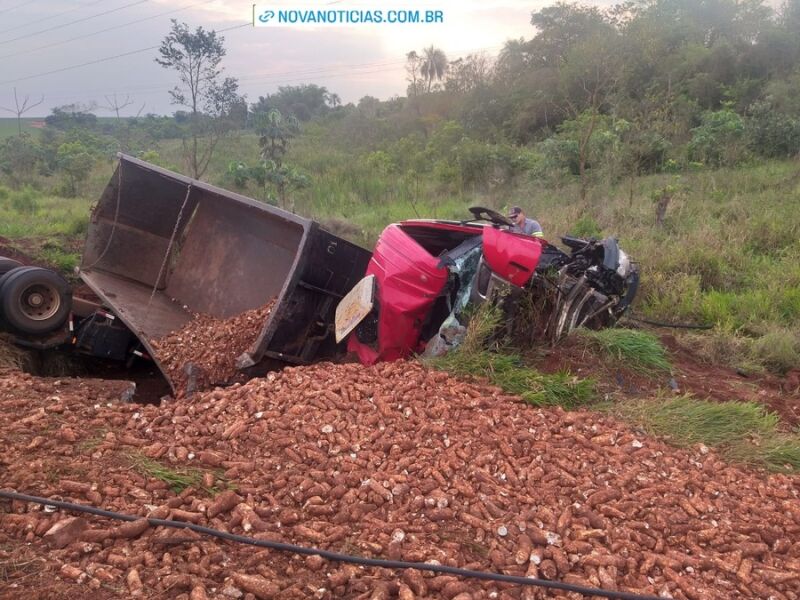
(35, 300)
(7, 264)
(6, 276)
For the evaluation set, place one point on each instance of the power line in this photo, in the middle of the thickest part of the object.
(5, 10)
(81, 20)
(81, 37)
(51, 17)
(104, 59)
(334, 70)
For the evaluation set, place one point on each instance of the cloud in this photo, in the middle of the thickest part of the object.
(352, 61)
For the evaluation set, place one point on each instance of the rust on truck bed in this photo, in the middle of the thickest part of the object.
(161, 247)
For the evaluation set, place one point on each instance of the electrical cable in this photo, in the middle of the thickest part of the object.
(318, 72)
(105, 59)
(335, 556)
(51, 17)
(16, 6)
(668, 325)
(115, 27)
(81, 20)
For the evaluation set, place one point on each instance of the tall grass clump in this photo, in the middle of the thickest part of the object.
(177, 478)
(742, 431)
(478, 356)
(639, 350)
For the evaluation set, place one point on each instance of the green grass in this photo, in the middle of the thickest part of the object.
(8, 126)
(637, 350)
(178, 478)
(507, 371)
(29, 212)
(727, 255)
(742, 431)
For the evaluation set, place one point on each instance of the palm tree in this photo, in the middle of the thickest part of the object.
(434, 64)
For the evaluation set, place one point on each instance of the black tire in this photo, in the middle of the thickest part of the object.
(12, 273)
(7, 264)
(3, 278)
(35, 300)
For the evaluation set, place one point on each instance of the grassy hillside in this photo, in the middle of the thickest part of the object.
(726, 252)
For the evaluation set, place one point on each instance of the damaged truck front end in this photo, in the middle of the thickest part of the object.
(424, 274)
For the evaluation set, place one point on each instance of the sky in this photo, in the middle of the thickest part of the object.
(103, 51)
(41, 40)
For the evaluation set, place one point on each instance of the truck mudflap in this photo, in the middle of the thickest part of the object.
(162, 247)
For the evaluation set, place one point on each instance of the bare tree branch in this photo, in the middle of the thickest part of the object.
(20, 110)
(115, 105)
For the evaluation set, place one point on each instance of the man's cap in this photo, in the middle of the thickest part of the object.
(514, 211)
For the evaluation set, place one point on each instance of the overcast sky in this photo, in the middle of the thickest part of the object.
(36, 37)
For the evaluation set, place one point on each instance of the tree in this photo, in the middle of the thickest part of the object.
(72, 116)
(115, 105)
(19, 158)
(210, 97)
(467, 74)
(301, 101)
(76, 161)
(434, 65)
(275, 132)
(21, 109)
(413, 73)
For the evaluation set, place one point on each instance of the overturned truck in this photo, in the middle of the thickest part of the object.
(212, 286)
(162, 249)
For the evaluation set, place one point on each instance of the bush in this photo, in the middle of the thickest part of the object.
(25, 200)
(719, 140)
(771, 133)
(778, 350)
(19, 158)
(586, 227)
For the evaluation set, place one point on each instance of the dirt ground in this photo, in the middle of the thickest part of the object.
(390, 461)
(706, 381)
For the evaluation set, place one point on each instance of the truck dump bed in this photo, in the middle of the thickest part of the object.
(161, 246)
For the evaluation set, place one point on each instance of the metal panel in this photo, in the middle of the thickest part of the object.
(229, 254)
(233, 257)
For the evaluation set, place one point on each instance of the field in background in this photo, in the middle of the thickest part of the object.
(9, 126)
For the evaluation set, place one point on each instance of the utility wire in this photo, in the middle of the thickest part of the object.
(81, 20)
(335, 556)
(9, 9)
(333, 70)
(105, 59)
(630, 317)
(94, 33)
(51, 17)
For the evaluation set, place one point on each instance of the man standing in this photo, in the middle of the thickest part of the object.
(522, 224)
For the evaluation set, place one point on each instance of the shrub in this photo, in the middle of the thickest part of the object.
(719, 140)
(771, 133)
(638, 350)
(778, 350)
(25, 200)
(586, 227)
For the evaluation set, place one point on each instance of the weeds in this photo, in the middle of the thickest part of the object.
(742, 431)
(507, 371)
(640, 351)
(178, 478)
